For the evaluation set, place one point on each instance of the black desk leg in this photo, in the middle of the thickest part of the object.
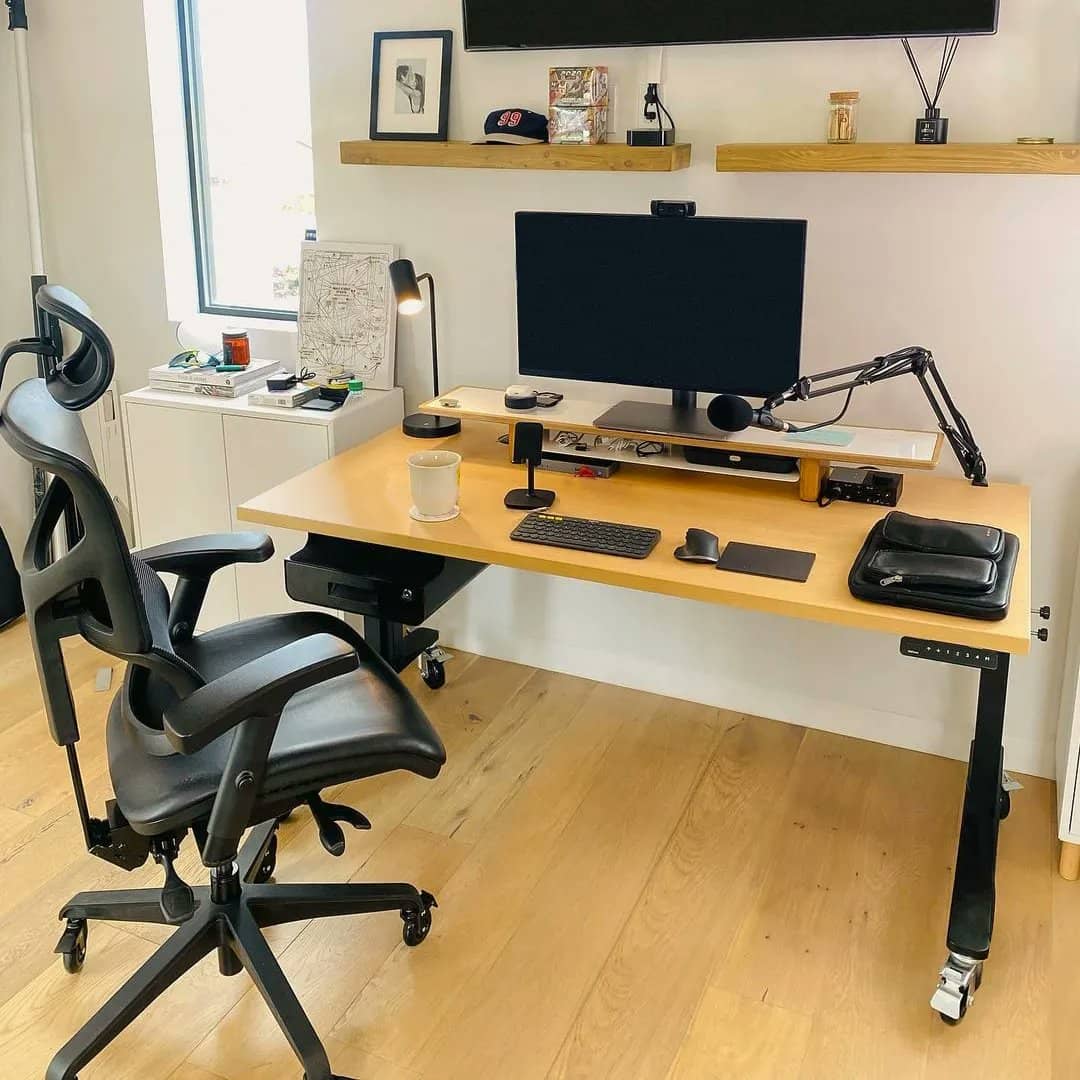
(971, 920)
(400, 648)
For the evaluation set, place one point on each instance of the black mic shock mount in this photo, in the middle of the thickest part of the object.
(915, 361)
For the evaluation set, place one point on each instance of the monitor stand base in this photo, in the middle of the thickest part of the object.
(649, 418)
(526, 499)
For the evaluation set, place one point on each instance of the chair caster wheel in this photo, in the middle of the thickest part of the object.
(960, 978)
(433, 667)
(417, 924)
(434, 674)
(72, 945)
(1005, 805)
(269, 863)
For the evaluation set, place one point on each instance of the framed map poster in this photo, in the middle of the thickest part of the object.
(347, 320)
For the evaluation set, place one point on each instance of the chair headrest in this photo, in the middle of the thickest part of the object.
(77, 379)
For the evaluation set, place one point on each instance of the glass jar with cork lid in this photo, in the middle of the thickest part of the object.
(843, 116)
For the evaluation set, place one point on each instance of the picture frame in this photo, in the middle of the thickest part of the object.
(410, 85)
(347, 322)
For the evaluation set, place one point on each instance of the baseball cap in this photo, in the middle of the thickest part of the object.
(514, 127)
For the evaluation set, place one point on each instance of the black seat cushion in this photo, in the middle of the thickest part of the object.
(358, 725)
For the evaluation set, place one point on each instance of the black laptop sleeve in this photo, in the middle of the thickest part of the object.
(944, 566)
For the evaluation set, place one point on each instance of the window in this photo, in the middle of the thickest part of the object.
(248, 111)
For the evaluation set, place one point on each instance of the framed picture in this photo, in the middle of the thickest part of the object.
(348, 319)
(410, 85)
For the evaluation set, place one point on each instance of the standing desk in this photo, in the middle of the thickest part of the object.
(360, 501)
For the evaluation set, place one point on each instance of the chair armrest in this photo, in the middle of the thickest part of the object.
(195, 561)
(257, 691)
(203, 556)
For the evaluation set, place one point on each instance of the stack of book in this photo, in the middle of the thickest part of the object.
(208, 382)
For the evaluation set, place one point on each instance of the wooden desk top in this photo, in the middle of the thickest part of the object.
(363, 494)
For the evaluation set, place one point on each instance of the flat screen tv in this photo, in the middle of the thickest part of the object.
(553, 24)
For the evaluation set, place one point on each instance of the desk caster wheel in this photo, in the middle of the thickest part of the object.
(72, 945)
(417, 924)
(269, 863)
(433, 668)
(960, 978)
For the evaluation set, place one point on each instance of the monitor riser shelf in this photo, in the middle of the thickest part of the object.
(671, 458)
(880, 447)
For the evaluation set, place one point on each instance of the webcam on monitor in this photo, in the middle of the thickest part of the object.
(660, 208)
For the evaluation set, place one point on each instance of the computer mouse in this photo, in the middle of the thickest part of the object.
(700, 546)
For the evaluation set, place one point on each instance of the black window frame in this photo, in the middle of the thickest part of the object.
(198, 178)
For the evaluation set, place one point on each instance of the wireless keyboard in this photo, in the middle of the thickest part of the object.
(581, 534)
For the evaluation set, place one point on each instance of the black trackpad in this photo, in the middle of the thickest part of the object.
(767, 561)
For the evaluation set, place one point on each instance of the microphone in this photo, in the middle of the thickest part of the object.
(730, 413)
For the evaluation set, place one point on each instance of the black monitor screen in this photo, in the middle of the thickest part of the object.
(496, 24)
(710, 304)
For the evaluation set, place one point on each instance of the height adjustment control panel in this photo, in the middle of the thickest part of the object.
(944, 653)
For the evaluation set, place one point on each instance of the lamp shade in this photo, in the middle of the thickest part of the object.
(406, 287)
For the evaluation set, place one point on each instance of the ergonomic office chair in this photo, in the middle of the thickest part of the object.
(210, 734)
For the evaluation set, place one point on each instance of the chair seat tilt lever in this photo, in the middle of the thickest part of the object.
(327, 815)
(177, 898)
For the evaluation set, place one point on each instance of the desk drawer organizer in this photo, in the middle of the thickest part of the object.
(381, 582)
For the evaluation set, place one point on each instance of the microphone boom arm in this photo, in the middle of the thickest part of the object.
(915, 361)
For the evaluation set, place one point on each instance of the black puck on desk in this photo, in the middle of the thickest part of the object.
(425, 426)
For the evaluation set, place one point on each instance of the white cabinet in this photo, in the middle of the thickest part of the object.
(1069, 737)
(192, 461)
(176, 463)
(256, 464)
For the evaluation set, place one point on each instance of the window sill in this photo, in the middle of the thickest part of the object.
(271, 339)
(248, 322)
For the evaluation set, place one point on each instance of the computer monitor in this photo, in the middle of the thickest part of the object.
(685, 304)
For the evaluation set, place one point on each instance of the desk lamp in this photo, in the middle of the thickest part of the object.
(406, 287)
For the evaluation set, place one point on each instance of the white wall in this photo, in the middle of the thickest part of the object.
(98, 180)
(982, 269)
(16, 319)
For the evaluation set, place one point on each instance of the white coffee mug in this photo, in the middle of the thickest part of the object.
(435, 478)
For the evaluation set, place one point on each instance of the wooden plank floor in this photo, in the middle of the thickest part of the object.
(629, 886)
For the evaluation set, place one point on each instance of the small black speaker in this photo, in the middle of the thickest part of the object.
(528, 443)
(11, 601)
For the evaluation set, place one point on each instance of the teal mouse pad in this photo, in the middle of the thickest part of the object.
(823, 437)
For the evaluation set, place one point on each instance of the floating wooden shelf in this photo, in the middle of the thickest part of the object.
(609, 157)
(1059, 159)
